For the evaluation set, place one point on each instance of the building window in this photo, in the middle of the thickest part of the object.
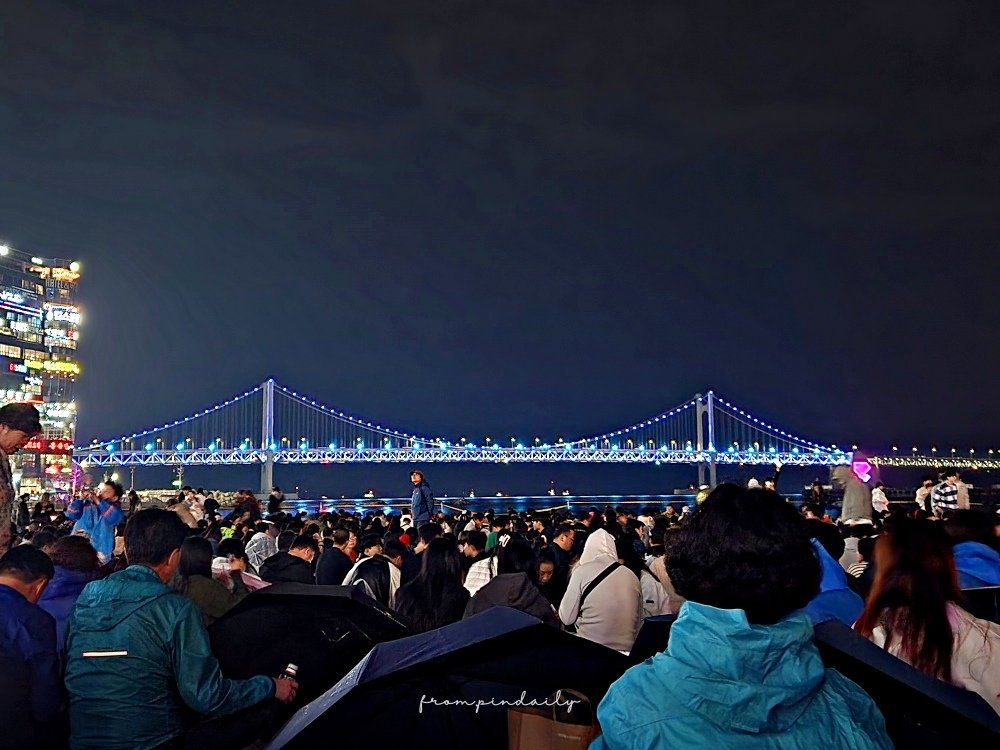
(14, 352)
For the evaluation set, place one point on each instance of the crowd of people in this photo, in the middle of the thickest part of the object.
(88, 598)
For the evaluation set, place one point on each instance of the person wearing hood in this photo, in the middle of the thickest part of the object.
(741, 669)
(138, 655)
(976, 561)
(603, 599)
(76, 565)
(857, 504)
(513, 585)
(835, 599)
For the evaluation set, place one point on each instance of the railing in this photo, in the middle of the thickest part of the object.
(456, 454)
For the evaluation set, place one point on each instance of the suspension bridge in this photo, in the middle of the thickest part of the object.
(272, 424)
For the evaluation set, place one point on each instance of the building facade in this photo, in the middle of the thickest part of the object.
(39, 334)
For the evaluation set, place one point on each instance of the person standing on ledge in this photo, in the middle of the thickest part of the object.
(18, 424)
(422, 501)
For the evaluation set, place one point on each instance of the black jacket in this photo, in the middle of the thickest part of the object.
(421, 614)
(286, 568)
(411, 566)
(513, 590)
(376, 572)
(332, 568)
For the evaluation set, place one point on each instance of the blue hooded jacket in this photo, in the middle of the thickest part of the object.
(98, 522)
(60, 596)
(835, 600)
(977, 564)
(724, 683)
(137, 653)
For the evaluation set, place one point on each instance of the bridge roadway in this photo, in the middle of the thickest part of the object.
(455, 454)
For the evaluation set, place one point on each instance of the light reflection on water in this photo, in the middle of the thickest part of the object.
(498, 504)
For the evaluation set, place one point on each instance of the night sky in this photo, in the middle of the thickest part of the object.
(520, 217)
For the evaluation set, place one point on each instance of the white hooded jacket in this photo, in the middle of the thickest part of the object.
(613, 611)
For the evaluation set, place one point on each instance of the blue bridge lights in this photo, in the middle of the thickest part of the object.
(247, 428)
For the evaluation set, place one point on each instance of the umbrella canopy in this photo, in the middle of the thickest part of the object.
(399, 690)
(324, 630)
(919, 711)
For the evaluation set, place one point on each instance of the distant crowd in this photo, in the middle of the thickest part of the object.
(101, 588)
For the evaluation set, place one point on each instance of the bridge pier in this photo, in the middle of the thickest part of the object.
(267, 437)
(706, 407)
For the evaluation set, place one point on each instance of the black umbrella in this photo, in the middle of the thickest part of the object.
(397, 693)
(919, 711)
(324, 630)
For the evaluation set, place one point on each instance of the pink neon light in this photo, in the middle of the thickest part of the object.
(862, 470)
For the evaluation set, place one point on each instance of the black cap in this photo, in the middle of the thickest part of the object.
(21, 416)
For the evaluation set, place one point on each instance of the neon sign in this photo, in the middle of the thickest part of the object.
(862, 470)
(54, 445)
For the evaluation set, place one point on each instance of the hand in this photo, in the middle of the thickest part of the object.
(777, 464)
(285, 690)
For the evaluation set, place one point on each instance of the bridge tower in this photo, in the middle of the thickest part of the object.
(705, 405)
(267, 437)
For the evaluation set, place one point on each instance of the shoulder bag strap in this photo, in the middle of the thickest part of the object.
(594, 584)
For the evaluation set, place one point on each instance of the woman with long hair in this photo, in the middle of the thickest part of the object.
(436, 596)
(194, 580)
(514, 585)
(914, 611)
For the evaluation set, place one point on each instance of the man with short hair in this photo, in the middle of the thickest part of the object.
(562, 552)
(497, 524)
(944, 498)
(293, 566)
(138, 652)
(98, 519)
(274, 501)
(475, 523)
(18, 424)
(335, 563)
(29, 664)
(263, 544)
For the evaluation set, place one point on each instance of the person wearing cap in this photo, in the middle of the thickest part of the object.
(18, 424)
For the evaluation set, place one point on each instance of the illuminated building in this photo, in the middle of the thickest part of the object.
(39, 333)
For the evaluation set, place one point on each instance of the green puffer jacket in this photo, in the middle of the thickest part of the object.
(138, 652)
